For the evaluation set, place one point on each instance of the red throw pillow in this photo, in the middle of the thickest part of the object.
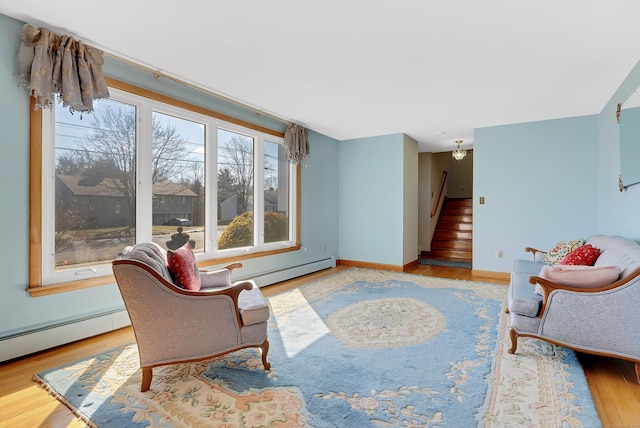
(585, 255)
(183, 267)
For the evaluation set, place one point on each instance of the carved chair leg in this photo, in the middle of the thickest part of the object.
(637, 372)
(147, 375)
(265, 350)
(514, 341)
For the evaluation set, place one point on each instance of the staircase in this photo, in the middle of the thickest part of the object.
(452, 239)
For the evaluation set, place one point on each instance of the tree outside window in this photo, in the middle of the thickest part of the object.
(138, 168)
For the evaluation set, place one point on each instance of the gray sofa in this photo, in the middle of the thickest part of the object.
(603, 320)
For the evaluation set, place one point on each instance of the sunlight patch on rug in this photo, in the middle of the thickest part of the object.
(300, 329)
(361, 348)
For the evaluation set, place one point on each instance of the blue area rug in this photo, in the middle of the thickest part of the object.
(362, 348)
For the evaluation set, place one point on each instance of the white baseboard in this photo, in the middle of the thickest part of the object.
(48, 337)
(271, 277)
(59, 334)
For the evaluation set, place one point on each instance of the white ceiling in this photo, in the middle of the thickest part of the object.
(360, 68)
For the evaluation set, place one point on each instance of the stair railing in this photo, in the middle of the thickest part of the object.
(436, 207)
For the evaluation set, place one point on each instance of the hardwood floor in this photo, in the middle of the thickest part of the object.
(25, 404)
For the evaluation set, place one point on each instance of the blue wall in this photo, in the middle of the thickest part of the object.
(371, 199)
(410, 191)
(540, 184)
(551, 180)
(618, 212)
(543, 182)
(18, 310)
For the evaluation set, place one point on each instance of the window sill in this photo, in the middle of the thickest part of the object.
(63, 287)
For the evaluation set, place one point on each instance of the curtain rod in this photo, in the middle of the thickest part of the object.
(158, 74)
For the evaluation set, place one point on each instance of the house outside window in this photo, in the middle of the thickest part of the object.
(160, 168)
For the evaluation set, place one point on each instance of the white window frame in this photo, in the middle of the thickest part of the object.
(211, 255)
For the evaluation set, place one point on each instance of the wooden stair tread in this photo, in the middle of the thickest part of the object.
(457, 210)
(467, 202)
(454, 226)
(452, 238)
(443, 234)
(455, 218)
(452, 255)
(452, 245)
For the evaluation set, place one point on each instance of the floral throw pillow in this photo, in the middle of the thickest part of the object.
(561, 249)
(183, 267)
(585, 255)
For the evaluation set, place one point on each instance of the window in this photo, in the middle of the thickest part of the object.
(277, 182)
(138, 169)
(178, 167)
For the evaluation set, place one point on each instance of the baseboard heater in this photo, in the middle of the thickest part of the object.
(50, 336)
(271, 277)
(36, 340)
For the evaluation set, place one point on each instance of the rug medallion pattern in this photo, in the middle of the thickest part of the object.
(385, 323)
(360, 348)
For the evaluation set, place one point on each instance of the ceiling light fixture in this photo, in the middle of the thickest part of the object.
(459, 154)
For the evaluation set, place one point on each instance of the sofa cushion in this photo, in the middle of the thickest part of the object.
(253, 306)
(521, 298)
(617, 250)
(584, 255)
(560, 250)
(581, 276)
(527, 266)
(183, 267)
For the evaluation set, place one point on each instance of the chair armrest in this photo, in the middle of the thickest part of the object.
(218, 278)
(232, 291)
(549, 286)
(233, 266)
(536, 253)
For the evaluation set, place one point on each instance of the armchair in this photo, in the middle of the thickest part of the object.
(176, 325)
(597, 313)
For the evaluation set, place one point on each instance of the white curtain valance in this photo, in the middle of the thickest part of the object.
(296, 143)
(50, 65)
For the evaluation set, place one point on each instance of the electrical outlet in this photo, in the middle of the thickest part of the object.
(481, 200)
(324, 247)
